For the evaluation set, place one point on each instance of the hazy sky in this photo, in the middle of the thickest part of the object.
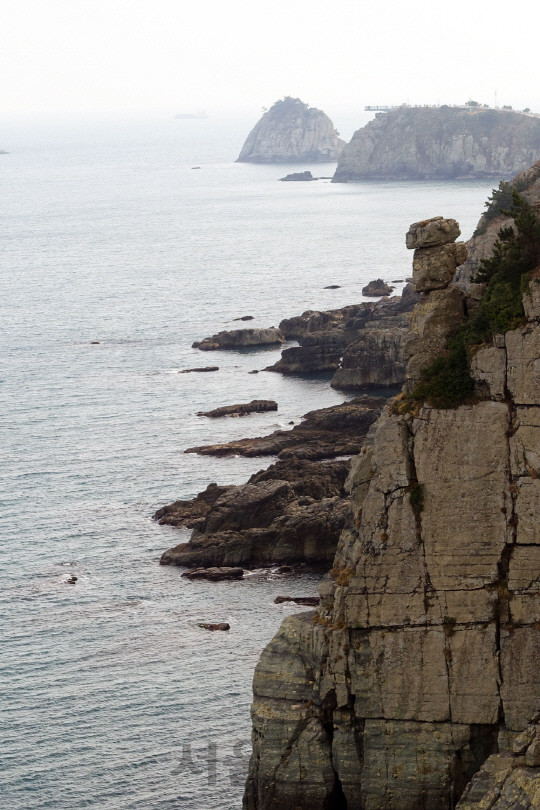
(131, 57)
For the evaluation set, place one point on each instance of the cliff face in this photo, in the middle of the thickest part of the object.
(441, 142)
(423, 657)
(527, 183)
(289, 132)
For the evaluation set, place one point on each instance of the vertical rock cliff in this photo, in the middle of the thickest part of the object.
(418, 142)
(422, 660)
(289, 132)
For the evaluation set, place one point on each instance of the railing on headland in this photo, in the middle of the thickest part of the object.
(471, 107)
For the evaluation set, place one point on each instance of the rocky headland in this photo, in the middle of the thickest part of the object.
(292, 512)
(361, 343)
(291, 131)
(443, 142)
(421, 664)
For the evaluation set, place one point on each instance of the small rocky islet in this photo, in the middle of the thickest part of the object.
(415, 682)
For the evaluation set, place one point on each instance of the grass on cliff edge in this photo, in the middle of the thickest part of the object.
(447, 382)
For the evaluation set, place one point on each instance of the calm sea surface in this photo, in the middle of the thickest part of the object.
(108, 234)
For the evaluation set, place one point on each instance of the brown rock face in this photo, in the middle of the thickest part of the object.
(434, 267)
(432, 232)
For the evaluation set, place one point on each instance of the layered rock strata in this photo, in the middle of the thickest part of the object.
(291, 131)
(443, 142)
(422, 659)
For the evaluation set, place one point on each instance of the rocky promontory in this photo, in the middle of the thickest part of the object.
(421, 663)
(291, 131)
(361, 343)
(292, 512)
(443, 142)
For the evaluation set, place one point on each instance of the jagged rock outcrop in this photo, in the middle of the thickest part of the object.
(292, 512)
(509, 780)
(377, 288)
(291, 131)
(446, 142)
(238, 338)
(362, 343)
(338, 430)
(422, 659)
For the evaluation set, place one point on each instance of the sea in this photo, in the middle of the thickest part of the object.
(122, 242)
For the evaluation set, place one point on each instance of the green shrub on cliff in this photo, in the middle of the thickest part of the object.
(500, 200)
(447, 382)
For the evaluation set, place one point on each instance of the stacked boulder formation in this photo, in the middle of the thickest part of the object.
(436, 317)
(421, 663)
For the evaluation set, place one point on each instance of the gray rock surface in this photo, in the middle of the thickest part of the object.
(290, 131)
(237, 338)
(442, 142)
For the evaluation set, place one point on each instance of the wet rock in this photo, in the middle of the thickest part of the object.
(377, 288)
(299, 176)
(285, 569)
(333, 287)
(245, 318)
(255, 406)
(215, 574)
(311, 601)
(200, 368)
(240, 337)
(218, 626)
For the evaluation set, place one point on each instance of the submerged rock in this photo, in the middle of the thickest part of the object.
(290, 131)
(312, 601)
(218, 626)
(214, 574)
(240, 337)
(255, 406)
(199, 368)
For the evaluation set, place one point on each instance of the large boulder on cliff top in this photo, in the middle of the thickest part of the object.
(445, 142)
(289, 132)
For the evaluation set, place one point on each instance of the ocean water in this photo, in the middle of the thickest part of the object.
(112, 697)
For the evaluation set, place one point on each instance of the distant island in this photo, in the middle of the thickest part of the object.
(292, 132)
(442, 142)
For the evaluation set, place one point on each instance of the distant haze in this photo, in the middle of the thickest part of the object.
(120, 58)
